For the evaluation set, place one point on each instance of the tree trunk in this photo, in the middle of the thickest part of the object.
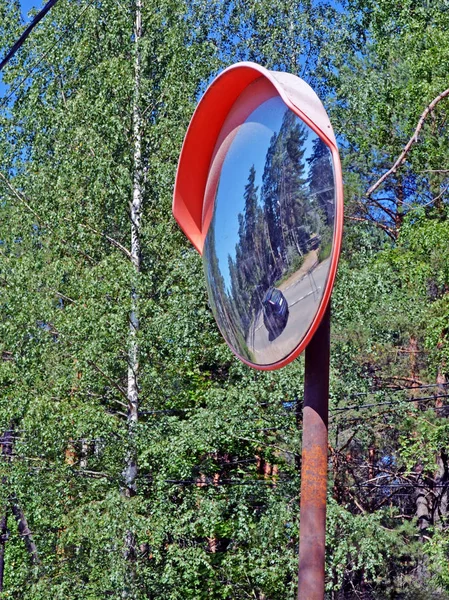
(7, 442)
(130, 473)
(3, 538)
(371, 462)
(399, 216)
(423, 509)
(6, 449)
(83, 454)
(24, 530)
(136, 213)
(442, 474)
(441, 391)
(441, 491)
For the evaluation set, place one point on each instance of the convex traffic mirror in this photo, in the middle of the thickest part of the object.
(259, 193)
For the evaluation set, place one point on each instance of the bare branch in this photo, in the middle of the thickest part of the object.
(356, 502)
(21, 197)
(413, 380)
(380, 206)
(112, 241)
(439, 195)
(92, 474)
(114, 383)
(117, 401)
(63, 296)
(107, 237)
(382, 226)
(401, 158)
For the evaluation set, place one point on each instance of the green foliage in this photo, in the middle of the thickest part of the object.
(365, 546)
(216, 509)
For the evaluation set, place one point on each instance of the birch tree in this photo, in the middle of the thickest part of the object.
(72, 236)
(149, 462)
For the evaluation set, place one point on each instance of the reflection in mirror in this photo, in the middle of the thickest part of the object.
(268, 248)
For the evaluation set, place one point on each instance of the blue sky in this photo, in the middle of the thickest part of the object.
(27, 5)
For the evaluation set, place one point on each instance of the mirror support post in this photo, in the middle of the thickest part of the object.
(312, 532)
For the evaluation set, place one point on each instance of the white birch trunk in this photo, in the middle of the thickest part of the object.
(135, 215)
(130, 473)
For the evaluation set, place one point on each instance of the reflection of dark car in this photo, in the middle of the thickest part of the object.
(314, 242)
(275, 312)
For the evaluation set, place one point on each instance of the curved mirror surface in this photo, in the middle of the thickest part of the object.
(268, 248)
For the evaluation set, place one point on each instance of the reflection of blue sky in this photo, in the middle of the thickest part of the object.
(248, 148)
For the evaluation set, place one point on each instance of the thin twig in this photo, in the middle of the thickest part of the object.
(21, 197)
(114, 383)
(401, 158)
(107, 237)
(63, 296)
(382, 226)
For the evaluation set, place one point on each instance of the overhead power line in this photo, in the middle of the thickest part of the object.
(397, 389)
(46, 53)
(40, 15)
(389, 403)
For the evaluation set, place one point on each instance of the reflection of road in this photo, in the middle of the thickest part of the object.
(303, 295)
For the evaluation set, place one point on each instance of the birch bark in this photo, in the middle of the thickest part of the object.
(130, 474)
(3, 539)
(135, 216)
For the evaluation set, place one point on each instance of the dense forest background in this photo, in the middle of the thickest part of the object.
(140, 459)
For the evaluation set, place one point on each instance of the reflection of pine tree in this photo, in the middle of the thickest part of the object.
(293, 197)
(270, 200)
(284, 193)
(249, 266)
(274, 235)
(321, 179)
(239, 301)
(215, 281)
(252, 243)
(250, 197)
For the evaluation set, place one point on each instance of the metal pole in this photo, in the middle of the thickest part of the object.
(312, 532)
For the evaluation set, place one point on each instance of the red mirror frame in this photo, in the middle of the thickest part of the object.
(196, 183)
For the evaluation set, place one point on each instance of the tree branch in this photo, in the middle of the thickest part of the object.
(25, 201)
(401, 158)
(114, 383)
(111, 240)
(21, 198)
(24, 530)
(63, 296)
(382, 226)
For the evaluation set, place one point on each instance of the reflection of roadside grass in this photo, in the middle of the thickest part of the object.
(242, 347)
(246, 352)
(295, 266)
(325, 251)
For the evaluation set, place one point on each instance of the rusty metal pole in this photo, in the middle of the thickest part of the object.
(312, 527)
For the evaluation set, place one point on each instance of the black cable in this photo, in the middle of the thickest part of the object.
(40, 15)
(45, 54)
(382, 414)
(352, 407)
(362, 406)
(200, 484)
(270, 481)
(398, 389)
(398, 485)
